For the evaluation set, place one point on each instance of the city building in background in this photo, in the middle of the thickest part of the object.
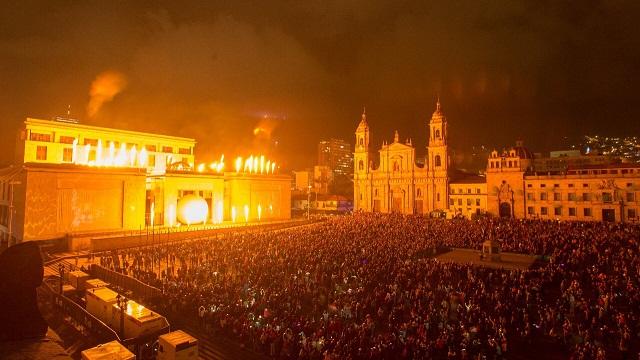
(564, 159)
(336, 154)
(74, 179)
(565, 185)
(626, 148)
(600, 191)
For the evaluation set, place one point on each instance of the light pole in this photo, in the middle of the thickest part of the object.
(11, 185)
(122, 303)
(308, 202)
(61, 271)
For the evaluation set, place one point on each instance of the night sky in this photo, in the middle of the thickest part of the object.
(536, 70)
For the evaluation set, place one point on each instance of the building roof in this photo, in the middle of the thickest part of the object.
(74, 126)
(461, 177)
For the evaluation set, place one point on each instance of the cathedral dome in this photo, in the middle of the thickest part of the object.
(521, 151)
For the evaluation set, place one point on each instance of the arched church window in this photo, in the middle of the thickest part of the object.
(438, 197)
(419, 193)
(376, 191)
(437, 134)
(361, 165)
(396, 166)
(437, 160)
(361, 141)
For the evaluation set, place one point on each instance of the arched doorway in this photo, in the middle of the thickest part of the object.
(505, 209)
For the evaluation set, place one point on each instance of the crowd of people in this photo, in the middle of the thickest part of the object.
(368, 286)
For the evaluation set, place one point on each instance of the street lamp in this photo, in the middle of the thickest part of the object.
(122, 303)
(61, 271)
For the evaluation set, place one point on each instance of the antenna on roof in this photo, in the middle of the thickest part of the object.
(68, 118)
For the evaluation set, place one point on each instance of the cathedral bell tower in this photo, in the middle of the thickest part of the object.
(361, 165)
(438, 159)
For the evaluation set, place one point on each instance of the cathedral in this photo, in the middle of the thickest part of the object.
(396, 182)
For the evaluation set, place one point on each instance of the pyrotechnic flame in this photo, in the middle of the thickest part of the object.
(201, 168)
(259, 211)
(233, 214)
(74, 151)
(153, 214)
(99, 153)
(87, 150)
(142, 158)
(238, 164)
(103, 89)
(246, 213)
(133, 156)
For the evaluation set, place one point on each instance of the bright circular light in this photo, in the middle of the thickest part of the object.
(192, 209)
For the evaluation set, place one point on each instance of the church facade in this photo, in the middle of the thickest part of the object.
(395, 182)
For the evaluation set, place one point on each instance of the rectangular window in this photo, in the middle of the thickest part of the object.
(67, 154)
(572, 211)
(92, 155)
(587, 211)
(40, 137)
(530, 210)
(529, 185)
(167, 149)
(184, 151)
(468, 202)
(557, 196)
(585, 185)
(543, 185)
(41, 153)
(459, 202)
(631, 213)
(152, 160)
(543, 196)
(556, 185)
(631, 197)
(93, 142)
(477, 202)
(478, 191)
(459, 191)
(572, 196)
(451, 202)
(570, 185)
(67, 139)
(586, 197)
(530, 196)
(557, 211)
(543, 211)
(150, 147)
(606, 197)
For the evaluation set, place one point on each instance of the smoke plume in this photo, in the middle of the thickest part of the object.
(105, 86)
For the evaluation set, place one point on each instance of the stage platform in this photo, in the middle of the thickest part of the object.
(509, 261)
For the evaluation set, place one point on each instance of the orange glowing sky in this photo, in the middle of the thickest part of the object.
(503, 69)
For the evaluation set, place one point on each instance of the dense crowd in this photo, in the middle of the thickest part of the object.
(368, 287)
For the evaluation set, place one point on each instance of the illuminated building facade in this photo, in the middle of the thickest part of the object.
(601, 192)
(398, 183)
(75, 179)
(567, 186)
(467, 196)
(55, 142)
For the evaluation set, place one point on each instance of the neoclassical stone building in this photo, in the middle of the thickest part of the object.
(397, 183)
